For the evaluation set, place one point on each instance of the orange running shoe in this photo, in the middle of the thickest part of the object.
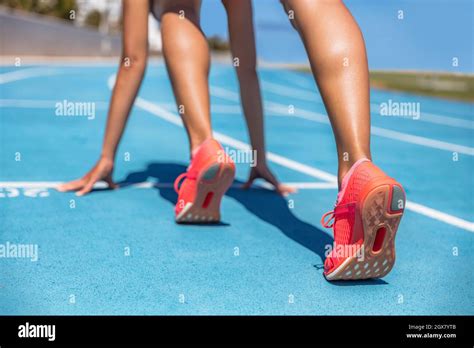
(206, 180)
(365, 219)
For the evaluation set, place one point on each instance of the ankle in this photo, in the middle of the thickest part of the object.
(197, 142)
(346, 165)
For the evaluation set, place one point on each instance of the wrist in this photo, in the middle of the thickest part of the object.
(108, 157)
(259, 158)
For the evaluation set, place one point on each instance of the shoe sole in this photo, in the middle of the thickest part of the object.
(381, 212)
(212, 184)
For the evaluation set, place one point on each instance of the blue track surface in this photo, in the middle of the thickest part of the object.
(174, 269)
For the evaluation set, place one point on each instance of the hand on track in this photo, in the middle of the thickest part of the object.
(263, 172)
(102, 170)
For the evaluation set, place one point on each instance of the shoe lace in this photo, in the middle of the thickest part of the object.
(179, 179)
(339, 212)
(328, 219)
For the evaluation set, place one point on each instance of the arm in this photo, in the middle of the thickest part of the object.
(129, 78)
(242, 44)
(130, 74)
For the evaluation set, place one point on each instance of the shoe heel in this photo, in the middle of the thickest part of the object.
(397, 200)
(211, 172)
(212, 185)
(381, 215)
(381, 209)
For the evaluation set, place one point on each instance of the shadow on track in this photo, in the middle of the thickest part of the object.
(265, 204)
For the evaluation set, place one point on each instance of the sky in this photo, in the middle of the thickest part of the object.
(431, 34)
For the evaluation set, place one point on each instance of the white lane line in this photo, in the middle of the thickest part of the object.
(433, 118)
(423, 141)
(306, 95)
(379, 131)
(30, 184)
(215, 108)
(226, 109)
(299, 113)
(447, 120)
(226, 94)
(303, 185)
(286, 162)
(41, 104)
(291, 92)
(307, 84)
(149, 184)
(26, 73)
(440, 216)
(102, 105)
(27, 103)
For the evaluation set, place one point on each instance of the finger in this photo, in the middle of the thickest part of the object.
(86, 189)
(110, 182)
(88, 186)
(285, 190)
(279, 188)
(248, 184)
(272, 180)
(71, 186)
(250, 180)
(282, 189)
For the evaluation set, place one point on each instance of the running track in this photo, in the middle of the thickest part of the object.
(120, 252)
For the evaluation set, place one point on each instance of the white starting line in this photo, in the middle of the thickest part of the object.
(148, 184)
